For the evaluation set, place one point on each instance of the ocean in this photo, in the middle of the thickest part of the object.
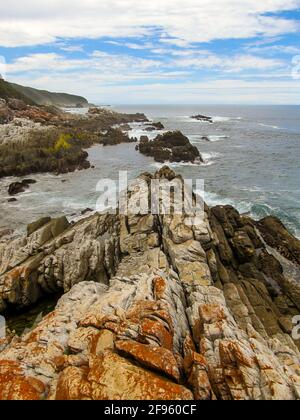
(251, 155)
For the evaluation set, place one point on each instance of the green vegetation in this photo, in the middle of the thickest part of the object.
(46, 151)
(7, 90)
(33, 96)
(43, 97)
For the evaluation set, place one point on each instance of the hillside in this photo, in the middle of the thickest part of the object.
(8, 90)
(40, 97)
(43, 97)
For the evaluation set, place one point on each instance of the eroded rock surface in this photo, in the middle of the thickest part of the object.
(156, 307)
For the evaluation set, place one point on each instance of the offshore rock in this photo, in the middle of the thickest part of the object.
(170, 147)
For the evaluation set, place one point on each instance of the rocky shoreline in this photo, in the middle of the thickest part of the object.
(154, 308)
(45, 139)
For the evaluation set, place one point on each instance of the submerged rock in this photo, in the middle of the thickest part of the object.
(168, 307)
(20, 187)
(154, 126)
(203, 118)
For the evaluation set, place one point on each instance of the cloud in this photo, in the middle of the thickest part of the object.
(275, 49)
(207, 91)
(120, 67)
(99, 67)
(179, 23)
(234, 64)
(72, 48)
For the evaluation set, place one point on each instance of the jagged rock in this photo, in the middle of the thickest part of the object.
(165, 309)
(33, 227)
(172, 147)
(277, 236)
(85, 211)
(16, 188)
(154, 126)
(20, 187)
(56, 256)
(203, 118)
(115, 136)
(16, 104)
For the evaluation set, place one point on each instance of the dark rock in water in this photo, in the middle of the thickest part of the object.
(170, 147)
(16, 188)
(29, 181)
(154, 126)
(158, 126)
(144, 138)
(125, 127)
(203, 118)
(115, 136)
(88, 210)
(33, 227)
(12, 200)
(205, 138)
(277, 236)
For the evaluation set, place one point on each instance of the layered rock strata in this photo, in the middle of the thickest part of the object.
(156, 307)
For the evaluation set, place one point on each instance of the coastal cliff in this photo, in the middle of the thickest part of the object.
(40, 97)
(154, 308)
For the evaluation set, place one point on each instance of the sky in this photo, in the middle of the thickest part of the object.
(155, 52)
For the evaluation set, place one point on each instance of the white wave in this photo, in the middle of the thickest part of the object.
(214, 138)
(220, 119)
(275, 127)
(158, 165)
(189, 119)
(217, 118)
(196, 138)
(209, 158)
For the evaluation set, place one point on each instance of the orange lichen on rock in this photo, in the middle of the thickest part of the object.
(15, 386)
(210, 313)
(157, 331)
(112, 377)
(152, 357)
(160, 288)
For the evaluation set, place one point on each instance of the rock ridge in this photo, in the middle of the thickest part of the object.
(155, 308)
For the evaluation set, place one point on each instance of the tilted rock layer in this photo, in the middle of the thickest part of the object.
(155, 308)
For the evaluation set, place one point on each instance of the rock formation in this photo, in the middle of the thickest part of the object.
(203, 118)
(44, 139)
(156, 307)
(20, 187)
(154, 126)
(170, 147)
(115, 136)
